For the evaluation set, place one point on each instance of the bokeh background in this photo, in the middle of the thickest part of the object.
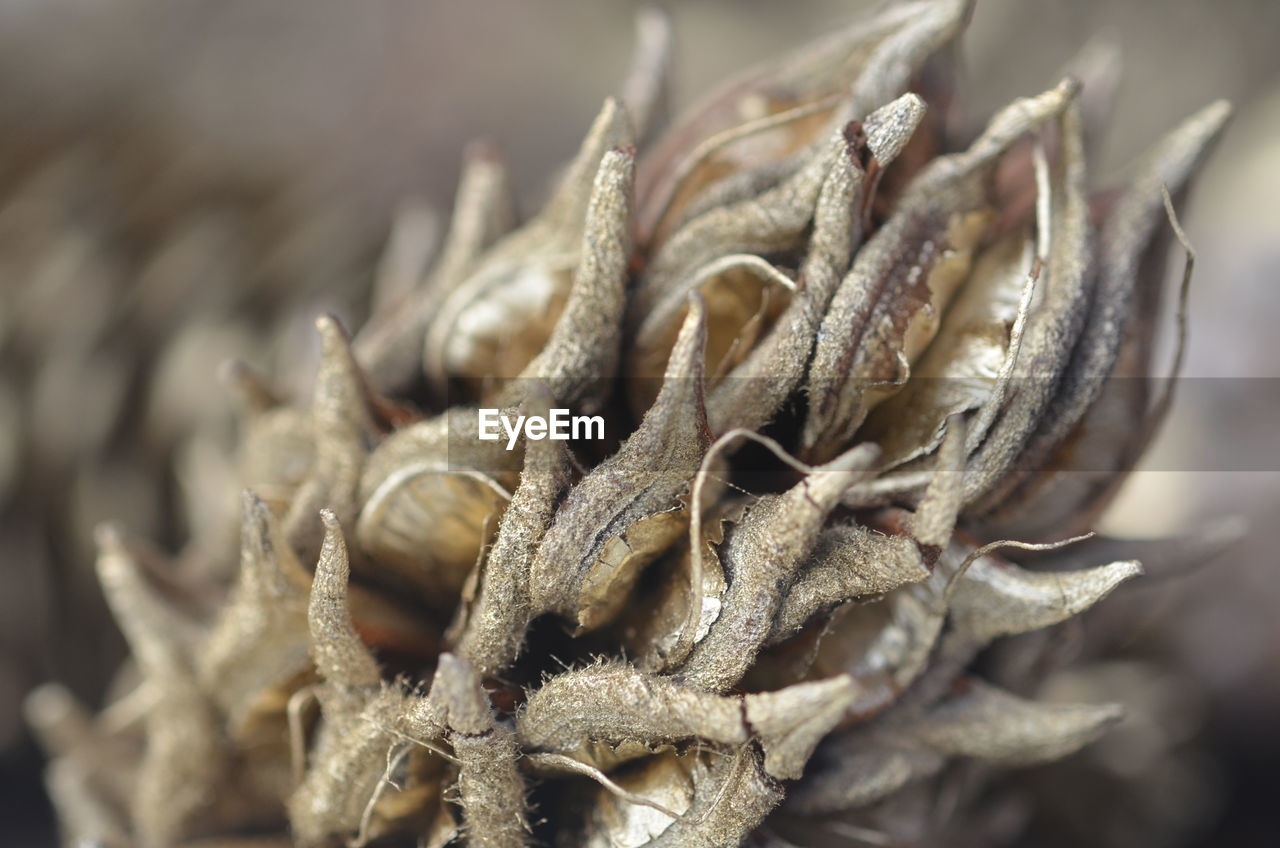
(186, 180)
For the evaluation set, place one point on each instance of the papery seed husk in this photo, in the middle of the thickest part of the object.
(431, 497)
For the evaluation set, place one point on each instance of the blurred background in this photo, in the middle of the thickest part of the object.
(182, 181)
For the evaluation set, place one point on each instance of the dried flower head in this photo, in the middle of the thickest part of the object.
(846, 361)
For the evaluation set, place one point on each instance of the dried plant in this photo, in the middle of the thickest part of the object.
(847, 360)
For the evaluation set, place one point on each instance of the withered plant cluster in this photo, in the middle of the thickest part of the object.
(849, 357)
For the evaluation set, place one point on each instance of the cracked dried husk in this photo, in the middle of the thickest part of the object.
(841, 355)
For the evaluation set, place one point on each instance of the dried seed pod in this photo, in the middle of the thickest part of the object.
(492, 324)
(627, 510)
(887, 309)
(743, 276)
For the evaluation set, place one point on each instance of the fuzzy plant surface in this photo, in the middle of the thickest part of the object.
(842, 367)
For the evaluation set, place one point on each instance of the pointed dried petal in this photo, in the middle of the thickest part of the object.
(493, 629)
(761, 556)
(887, 308)
(390, 344)
(496, 320)
(848, 562)
(260, 640)
(410, 246)
(581, 355)
(645, 89)
(1052, 329)
(1120, 319)
(757, 387)
(643, 479)
(984, 722)
(344, 433)
(339, 655)
(160, 635)
(996, 598)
